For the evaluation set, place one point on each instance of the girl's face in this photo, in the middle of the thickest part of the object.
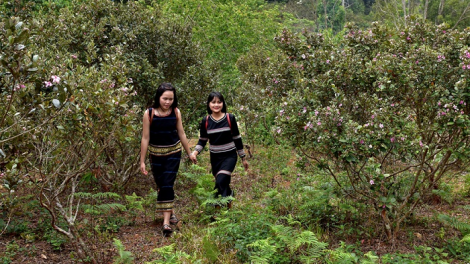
(166, 100)
(216, 105)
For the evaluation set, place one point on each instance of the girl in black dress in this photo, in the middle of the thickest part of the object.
(221, 130)
(163, 136)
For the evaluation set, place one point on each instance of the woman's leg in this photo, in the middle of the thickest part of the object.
(222, 166)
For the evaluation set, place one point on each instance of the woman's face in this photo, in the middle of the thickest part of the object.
(216, 105)
(166, 100)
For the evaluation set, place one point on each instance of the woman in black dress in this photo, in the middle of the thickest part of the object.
(163, 135)
(221, 130)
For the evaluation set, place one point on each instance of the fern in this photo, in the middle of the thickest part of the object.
(371, 258)
(102, 208)
(304, 246)
(455, 223)
(125, 257)
(341, 256)
(263, 251)
(466, 239)
(171, 257)
(98, 196)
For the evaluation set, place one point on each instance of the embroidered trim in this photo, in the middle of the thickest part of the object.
(198, 148)
(236, 137)
(164, 206)
(224, 172)
(241, 152)
(164, 151)
(217, 130)
(218, 121)
(222, 148)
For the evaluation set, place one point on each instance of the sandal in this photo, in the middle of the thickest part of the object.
(173, 219)
(167, 229)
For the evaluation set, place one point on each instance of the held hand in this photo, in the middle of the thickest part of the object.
(245, 164)
(142, 169)
(193, 158)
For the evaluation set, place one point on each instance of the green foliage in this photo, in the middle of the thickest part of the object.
(227, 29)
(54, 238)
(125, 257)
(211, 252)
(371, 108)
(170, 256)
(96, 207)
(204, 188)
(458, 249)
(135, 204)
(454, 222)
(238, 230)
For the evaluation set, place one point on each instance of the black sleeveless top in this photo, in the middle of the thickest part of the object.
(164, 139)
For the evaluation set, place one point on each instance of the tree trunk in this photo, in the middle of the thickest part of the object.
(425, 11)
(440, 10)
(403, 4)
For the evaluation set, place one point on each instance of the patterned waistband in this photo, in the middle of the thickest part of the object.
(163, 151)
(222, 148)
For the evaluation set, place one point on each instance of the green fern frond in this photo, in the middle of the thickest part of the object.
(455, 223)
(102, 208)
(370, 258)
(171, 257)
(125, 257)
(98, 196)
(166, 250)
(285, 234)
(263, 251)
(466, 239)
(291, 220)
(315, 248)
(340, 256)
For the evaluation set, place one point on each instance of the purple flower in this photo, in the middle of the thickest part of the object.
(278, 131)
(319, 123)
(421, 143)
(305, 110)
(371, 182)
(362, 141)
(48, 84)
(381, 126)
(392, 139)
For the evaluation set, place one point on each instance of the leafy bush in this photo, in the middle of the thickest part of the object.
(385, 112)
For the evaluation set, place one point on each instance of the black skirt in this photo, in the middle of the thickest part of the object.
(164, 170)
(223, 165)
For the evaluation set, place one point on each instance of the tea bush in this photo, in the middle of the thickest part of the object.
(384, 112)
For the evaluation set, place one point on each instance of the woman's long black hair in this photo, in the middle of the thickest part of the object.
(161, 89)
(211, 97)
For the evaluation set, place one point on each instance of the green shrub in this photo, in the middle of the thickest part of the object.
(371, 110)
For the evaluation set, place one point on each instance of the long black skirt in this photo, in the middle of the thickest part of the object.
(164, 170)
(223, 165)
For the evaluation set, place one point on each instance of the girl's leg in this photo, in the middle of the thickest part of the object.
(166, 217)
